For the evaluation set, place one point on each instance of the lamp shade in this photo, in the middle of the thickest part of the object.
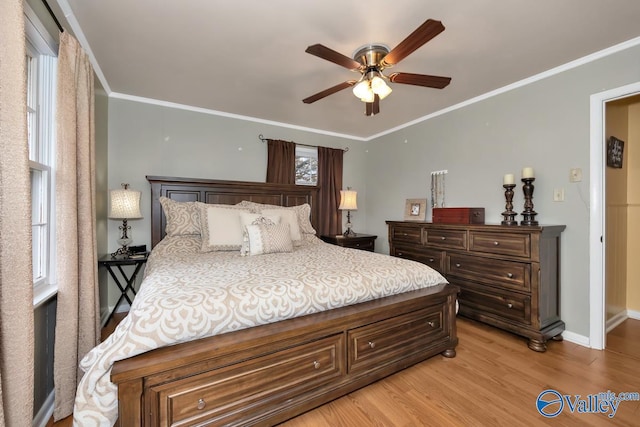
(348, 200)
(125, 204)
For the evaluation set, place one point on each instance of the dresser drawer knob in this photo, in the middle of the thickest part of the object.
(358, 245)
(509, 305)
(400, 254)
(431, 324)
(316, 364)
(431, 259)
(404, 234)
(443, 238)
(496, 243)
(509, 275)
(458, 265)
(372, 344)
(201, 404)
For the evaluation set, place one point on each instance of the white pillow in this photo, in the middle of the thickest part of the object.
(221, 228)
(303, 211)
(287, 216)
(247, 218)
(269, 238)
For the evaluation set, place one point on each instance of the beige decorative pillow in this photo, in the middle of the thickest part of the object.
(221, 227)
(183, 218)
(267, 239)
(302, 211)
(253, 218)
(287, 216)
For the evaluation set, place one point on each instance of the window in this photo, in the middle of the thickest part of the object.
(306, 165)
(41, 82)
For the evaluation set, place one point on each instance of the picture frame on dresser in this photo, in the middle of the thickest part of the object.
(415, 210)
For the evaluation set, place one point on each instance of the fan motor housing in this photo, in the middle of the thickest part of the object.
(370, 56)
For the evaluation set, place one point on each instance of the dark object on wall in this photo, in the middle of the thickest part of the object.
(615, 149)
(458, 215)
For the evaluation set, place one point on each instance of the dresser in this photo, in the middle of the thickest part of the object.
(509, 277)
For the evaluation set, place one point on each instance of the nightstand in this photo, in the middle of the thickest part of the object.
(365, 242)
(115, 264)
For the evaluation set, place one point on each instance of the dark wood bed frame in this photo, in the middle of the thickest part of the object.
(268, 374)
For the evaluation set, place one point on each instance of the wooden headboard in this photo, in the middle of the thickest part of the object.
(226, 193)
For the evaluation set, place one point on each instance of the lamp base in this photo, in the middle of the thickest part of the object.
(349, 233)
(122, 252)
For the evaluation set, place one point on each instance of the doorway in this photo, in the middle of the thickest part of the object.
(598, 237)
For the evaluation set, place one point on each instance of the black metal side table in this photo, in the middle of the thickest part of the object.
(115, 264)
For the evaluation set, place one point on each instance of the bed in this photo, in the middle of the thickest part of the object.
(287, 331)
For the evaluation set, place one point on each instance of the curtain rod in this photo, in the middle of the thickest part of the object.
(263, 139)
(53, 15)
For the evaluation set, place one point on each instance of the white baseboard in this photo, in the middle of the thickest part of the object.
(616, 320)
(632, 314)
(576, 338)
(45, 412)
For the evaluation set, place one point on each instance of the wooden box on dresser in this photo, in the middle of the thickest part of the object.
(509, 276)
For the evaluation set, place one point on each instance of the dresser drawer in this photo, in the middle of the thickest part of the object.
(506, 274)
(220, 395)
(446, 239)
(431, 257)
(406, 234)
(394, 339)
(514, 244)
(478, 302)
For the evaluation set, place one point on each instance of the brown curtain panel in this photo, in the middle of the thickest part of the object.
(330, 162)
(77, 319)
(281, 161)
(16, 282)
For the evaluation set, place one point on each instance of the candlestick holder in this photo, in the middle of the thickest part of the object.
(509, 214)
(529, 214)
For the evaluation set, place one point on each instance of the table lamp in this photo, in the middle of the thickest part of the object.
(349, 203)
(124, 205)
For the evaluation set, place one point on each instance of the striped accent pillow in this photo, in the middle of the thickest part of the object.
(267, 239)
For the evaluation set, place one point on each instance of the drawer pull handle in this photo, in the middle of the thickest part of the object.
(358, 244)
(509, 305)
(400, 254)
(496, 243)
(316, 364)
(431, 324)
(431, 260)
(443, 238)
(458, 265)
(201, 404)
(404, 234)
(509, 275)
(372, 344)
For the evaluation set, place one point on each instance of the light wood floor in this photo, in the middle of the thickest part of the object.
(493, 381)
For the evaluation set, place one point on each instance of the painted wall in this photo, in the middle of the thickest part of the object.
(632, 157)
(544, 125)
(617, 124)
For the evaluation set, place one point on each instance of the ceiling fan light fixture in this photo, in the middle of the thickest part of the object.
(363, 90)
(380, 87)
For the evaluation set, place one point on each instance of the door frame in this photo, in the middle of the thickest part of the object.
(597, 238)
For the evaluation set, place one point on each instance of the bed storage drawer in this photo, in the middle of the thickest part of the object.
(391, 340)
(506, 274)
(219, 396)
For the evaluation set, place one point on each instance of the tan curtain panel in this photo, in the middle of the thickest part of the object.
(16, 282)
(330, 161)
(77, 317)
(281, 161)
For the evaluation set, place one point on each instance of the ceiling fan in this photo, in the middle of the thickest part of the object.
(372, 59)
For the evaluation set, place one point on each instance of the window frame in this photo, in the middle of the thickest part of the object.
(306, 151)
(41, 86)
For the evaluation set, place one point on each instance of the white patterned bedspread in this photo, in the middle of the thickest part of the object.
(187, 295)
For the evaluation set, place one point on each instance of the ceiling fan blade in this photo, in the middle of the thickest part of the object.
(327, 92)
(437, 82)
(331, 55)
(425, 32)
(372, 108)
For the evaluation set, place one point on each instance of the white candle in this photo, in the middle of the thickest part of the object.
(527, 172)
(509, 179)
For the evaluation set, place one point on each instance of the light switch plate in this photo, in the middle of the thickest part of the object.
(575, 175)
(558, 194)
